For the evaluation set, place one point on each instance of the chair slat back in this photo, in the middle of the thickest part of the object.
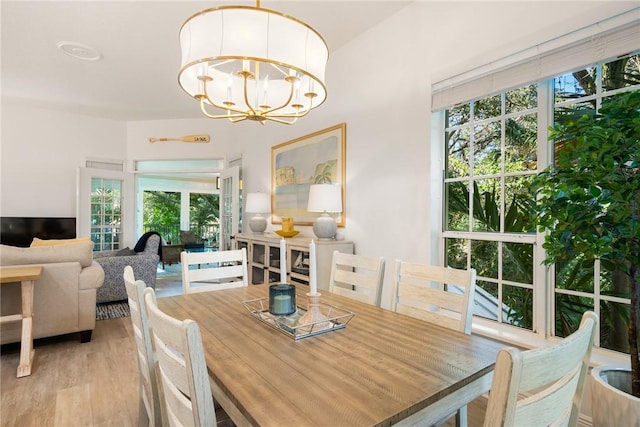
(551, 379)
(436, 294)
(357, 277)
(149, 392)
(215, 270)
(181, 367)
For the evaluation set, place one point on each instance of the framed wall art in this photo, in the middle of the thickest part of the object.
(317, 158)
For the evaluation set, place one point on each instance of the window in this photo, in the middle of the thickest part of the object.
(493, 147)
(491, 153)
(179, 195)
(204, 213)
(161, 213)
(581, 285)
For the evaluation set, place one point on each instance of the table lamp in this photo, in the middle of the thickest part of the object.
(325, 198)
(258, 203)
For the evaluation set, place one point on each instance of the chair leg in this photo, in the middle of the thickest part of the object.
(143, 416)
(461, 417)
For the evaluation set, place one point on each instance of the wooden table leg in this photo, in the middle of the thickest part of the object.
(26, 345)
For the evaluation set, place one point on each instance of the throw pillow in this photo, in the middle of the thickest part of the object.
(125, 252)
(54, 242)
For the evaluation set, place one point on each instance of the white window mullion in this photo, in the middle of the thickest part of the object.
(544, 296)
(596, 298)
(472, 145)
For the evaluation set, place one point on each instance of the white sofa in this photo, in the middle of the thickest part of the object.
(64, 297)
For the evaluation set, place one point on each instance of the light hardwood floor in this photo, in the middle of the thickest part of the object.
(90, 384)
(74, 384)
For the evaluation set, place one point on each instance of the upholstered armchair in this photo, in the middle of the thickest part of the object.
(144, 264)
(191, 241)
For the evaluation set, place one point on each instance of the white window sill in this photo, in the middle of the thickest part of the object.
(510, 335)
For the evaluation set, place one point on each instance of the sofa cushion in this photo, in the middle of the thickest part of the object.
(53, 242)
(81, 252)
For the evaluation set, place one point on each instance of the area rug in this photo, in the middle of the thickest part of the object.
(112, 310)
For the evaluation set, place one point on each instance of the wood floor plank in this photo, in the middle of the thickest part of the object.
(73, 407)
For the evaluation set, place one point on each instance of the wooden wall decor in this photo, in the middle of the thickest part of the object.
(201, 138)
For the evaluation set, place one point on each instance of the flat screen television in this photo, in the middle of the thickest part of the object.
(20, 231)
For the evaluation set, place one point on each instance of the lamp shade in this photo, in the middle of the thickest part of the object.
(325, 198)
(258, 203)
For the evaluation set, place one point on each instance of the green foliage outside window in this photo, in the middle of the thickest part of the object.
(491, 147)
(500, 182)
(161, 212)
(589, 204)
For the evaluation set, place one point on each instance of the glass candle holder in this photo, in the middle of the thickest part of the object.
(282, 299)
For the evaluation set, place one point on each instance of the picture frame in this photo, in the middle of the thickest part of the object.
(317, 158)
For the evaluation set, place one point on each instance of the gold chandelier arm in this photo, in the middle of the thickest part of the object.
(296, 115)
(217, 116)
(292, 84)
(226, 108)
(284, 122)
(241, 119)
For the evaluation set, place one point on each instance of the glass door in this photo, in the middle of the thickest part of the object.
(229, 206)
(104, 210)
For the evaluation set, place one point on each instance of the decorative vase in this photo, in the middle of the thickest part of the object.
(612, 401)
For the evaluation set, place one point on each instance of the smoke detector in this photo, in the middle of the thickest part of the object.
(79, 51)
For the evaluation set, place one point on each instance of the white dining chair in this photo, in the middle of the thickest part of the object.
(440, 295)
(214, 270)
(150, 401)
(181, 368)
(544, 386)
(356, 276)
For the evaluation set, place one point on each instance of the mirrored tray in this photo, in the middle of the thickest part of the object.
(336, 319)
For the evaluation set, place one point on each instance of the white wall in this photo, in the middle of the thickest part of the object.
(40, 152)
(379, 84)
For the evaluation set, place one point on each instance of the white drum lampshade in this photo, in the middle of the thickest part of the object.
(258, 203)
(249, 63)
(325, 198)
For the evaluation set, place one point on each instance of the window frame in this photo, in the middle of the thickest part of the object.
(542, 333)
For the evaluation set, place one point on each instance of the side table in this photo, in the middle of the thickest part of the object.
(171, 254)
(27, 277)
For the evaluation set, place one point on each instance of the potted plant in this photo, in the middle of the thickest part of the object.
(589, 203)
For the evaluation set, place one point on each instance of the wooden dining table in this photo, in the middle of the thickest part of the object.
(382, 368)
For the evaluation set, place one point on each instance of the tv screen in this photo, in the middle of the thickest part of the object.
(20, 231)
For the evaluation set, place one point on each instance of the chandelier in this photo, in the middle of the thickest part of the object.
(248, 63)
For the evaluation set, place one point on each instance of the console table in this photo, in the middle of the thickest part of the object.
(27, 277)
(263, 258)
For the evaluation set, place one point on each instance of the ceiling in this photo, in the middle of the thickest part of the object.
(137, 77)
